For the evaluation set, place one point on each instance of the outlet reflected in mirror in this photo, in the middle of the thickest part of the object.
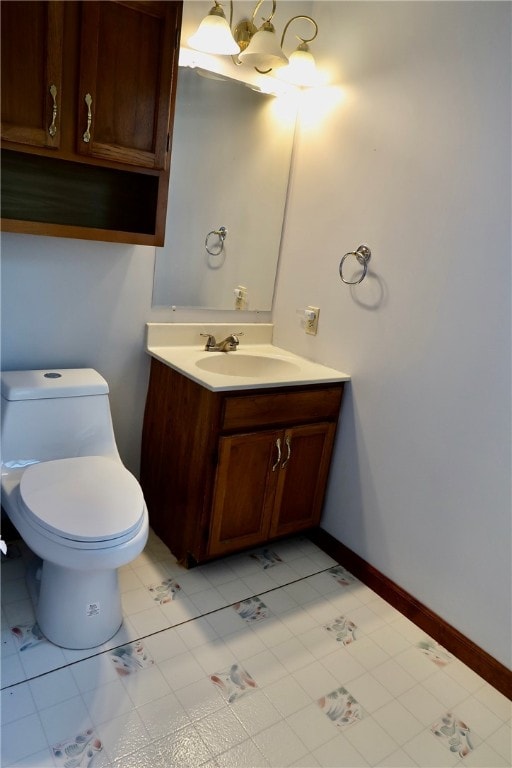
(229, 168)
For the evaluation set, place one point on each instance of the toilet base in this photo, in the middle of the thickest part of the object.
(78, 609)
(33, 578)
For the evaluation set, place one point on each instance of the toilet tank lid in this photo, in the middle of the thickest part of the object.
(52, 382)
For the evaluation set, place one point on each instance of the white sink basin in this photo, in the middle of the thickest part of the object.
(256, 364)
(238, 364)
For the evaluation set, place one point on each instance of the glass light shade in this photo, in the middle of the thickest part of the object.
(264, 51)
(301, 69)
(213, 35)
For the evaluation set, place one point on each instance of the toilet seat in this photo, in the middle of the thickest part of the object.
(85, 502)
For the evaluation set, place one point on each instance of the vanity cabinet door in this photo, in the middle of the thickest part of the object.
(302, 478)
(32, 73)
(269, 484)
(245, 485)
(126, 71)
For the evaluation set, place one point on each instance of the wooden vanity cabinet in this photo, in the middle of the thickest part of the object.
(223, 471)
(88, 92)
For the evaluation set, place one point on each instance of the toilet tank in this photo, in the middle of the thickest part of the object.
(54, 414)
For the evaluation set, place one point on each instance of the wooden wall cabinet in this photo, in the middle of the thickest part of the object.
(223, 471)
(88, 91)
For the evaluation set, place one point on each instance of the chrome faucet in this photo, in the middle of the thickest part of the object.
(229, 344)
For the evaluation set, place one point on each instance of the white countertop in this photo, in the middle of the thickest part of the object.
(170, 343)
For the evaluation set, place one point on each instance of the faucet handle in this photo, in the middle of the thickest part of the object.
(210, 340)
(233, 341)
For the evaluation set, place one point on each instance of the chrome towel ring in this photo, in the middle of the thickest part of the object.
(363, 255)
(221, 233)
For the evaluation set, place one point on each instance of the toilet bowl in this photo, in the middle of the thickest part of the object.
(83, 515)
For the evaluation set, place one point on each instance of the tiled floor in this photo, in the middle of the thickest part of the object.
(275, 658)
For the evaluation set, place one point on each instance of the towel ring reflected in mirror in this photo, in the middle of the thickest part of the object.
(363, 255)
(215, 248)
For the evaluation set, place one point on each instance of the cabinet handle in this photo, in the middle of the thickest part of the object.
(52, 130)
(288, 457)
(278, 446)
(87, 134)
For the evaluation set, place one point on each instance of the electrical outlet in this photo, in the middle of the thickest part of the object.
(311, 324)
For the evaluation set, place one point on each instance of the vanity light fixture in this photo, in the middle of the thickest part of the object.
(259, 48)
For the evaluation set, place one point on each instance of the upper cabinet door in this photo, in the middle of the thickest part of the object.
(126, 80)
(32, 72)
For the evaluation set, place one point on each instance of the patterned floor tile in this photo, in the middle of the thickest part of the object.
(454, 734)
(165, 591)
(77, 752)
(252, 609)
(342, 629)
(435, 652)
(343, 577)
(130, 658)
(233, 682)
(27, 635)
(267, 558)
(341, 707)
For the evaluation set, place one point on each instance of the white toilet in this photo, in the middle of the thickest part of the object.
(72, 501)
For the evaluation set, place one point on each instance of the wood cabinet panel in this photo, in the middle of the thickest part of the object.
(31, 64)
(179, 441)
(244, 492)
(68, 198)
(126, 68)
(292, 407)
(302, 478)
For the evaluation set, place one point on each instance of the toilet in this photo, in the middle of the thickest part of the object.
(74, 504)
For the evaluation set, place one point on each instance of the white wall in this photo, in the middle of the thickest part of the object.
(415, 161)
(71, 303)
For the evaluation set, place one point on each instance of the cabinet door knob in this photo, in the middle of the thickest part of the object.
(289, 454)
(52, 129)
(278, 446)
(87, 134)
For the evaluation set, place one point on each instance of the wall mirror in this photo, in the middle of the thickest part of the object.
(229, 168)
